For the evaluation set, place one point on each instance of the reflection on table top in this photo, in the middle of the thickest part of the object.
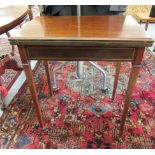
(83, 28)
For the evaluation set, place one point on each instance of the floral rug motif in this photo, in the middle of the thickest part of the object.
(80, 115)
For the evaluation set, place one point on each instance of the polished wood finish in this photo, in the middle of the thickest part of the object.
(80, 53)
(12, 16)
(48, 72)
(132, 81)
(73, 30)
(143, 17)
(30, 81)
(110, 38)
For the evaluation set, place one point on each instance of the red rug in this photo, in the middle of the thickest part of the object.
(80, 115)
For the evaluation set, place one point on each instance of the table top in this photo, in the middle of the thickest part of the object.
(84, 28)
(11, 15)
(145, 16)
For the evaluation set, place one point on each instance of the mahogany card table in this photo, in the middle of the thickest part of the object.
(72, 38)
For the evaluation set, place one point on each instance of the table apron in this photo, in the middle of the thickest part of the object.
(79, 53)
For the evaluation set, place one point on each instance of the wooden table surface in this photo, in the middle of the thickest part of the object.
(118, 28)
(144, 17)
(112, 38)
(11, 16)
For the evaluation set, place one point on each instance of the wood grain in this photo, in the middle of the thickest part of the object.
(72, 28)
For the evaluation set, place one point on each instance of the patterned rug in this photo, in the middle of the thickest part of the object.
(80, 115)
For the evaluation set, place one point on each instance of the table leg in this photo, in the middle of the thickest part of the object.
(136, 65)
(47, 68)
(31, 82)
(131, 84)
(140, 21)
(118, 66)
(146, 26)
(13, 50)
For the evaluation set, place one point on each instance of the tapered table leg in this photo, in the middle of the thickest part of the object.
(140, 22)
(13, 50)
(136, 65)
(47, 68)
(146, 26)
(118, 66)
(131, 84)
(31, 83)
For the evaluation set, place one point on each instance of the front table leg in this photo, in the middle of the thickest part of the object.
(31, 82)
(136, 65)
(131, 84)
(48, 73)
(146, 26)
(118, 66)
